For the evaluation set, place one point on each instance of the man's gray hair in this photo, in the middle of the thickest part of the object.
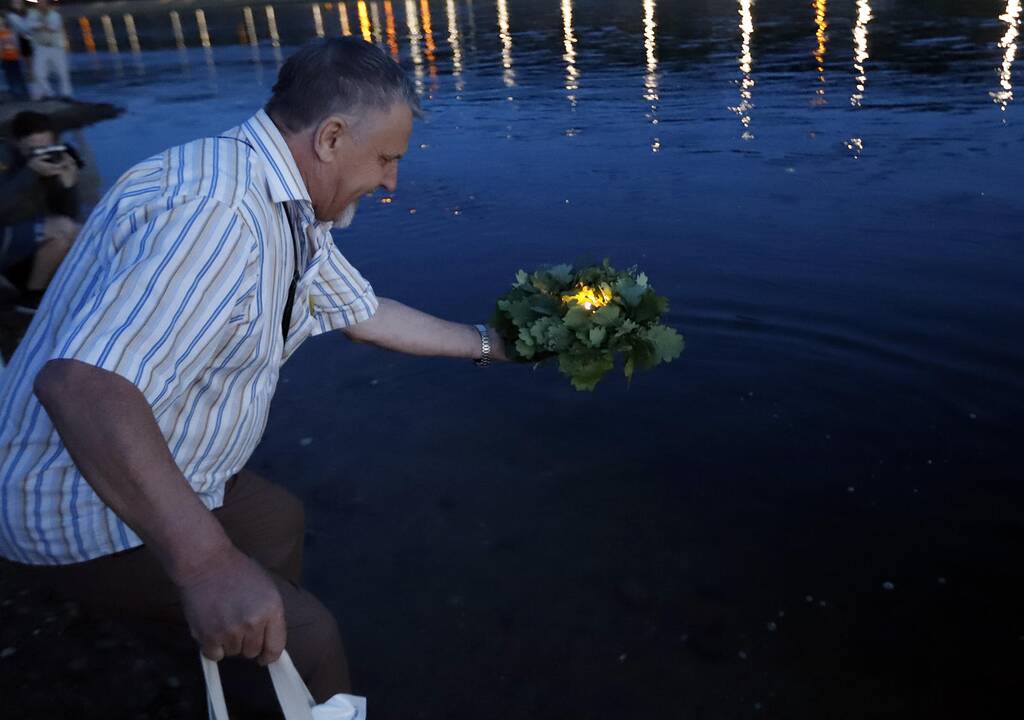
(341, 75)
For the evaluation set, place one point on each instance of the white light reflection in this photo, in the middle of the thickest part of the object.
(250, 30)
(651, 76)
(133, 35)
(746, 62)
(454, 44)
(179, 36)
(572, 74)
(821, 24)
(412, 20)
(346, 29)
(133, 43)
(860, 50)
(318, 20)
(204, 40)
(378, 36)
(204, 33)
(108, 34)
(1011, 17)
(506, 44)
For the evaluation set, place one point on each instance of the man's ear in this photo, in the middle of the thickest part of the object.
(329, 136)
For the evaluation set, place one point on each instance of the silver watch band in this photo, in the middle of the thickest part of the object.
(485, 346)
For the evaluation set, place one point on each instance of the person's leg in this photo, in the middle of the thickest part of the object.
(60, 58)
(47, 259)
(263, 520)
(12, 73)
(268, 523)
(40, 72)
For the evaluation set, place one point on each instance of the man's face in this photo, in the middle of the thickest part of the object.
(36, 140)
(363, 160)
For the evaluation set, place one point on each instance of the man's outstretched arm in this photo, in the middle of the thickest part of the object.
(404, 329)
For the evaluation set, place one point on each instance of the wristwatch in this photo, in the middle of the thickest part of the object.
(485, 346)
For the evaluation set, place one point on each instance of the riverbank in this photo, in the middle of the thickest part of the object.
(57, 662)
(67, 114)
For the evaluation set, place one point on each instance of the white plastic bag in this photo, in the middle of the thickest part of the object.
(292, 694)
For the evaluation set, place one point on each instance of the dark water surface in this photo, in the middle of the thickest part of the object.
(815, 512)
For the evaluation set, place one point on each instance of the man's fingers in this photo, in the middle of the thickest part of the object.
(273, 640)
(252, 643)
(232, 644)
(213, 651)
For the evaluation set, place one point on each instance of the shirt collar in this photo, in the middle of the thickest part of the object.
(283, 179)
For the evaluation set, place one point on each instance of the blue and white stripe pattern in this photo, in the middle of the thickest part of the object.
(177, 282)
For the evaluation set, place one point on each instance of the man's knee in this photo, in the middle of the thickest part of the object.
(314, 642)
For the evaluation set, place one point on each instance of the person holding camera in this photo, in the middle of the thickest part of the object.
(39, 207)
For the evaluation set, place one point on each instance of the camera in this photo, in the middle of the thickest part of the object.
(50, 153)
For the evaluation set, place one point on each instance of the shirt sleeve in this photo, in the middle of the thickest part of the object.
(340, 297)
(163, 300)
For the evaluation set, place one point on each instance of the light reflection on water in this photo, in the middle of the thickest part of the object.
(1004, 96)
(820, 34)
(651, 76)
(378, 24)
(746, 61)
(509, 75)
(572, 74)
(860, 56)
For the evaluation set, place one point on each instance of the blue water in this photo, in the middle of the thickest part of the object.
(828, 193)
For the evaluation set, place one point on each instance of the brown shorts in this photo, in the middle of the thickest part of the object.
(266, 522)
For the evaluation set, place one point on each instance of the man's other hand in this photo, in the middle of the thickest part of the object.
(233, 608)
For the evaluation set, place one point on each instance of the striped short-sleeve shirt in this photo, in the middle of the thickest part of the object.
(178, 282)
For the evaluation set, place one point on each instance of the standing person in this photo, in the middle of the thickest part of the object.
(39, 206)
(143, 385)
(48, 52)
(18, 24)
(10, 56)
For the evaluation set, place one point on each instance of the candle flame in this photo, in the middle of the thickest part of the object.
(590, 298)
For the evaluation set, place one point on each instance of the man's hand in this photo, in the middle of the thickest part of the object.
(497, 345)
(233, 608)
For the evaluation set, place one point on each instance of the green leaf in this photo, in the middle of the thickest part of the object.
(627, 327)
(608, 315)
(597, 335)
(651, 307)
(641, 280)
(585, 372)
(642, 355)
(561, 273)
(667, 343)
(629, 292)
(522, 277)
(525, 346)
(545, 304)
(577, 317)
(520, 312)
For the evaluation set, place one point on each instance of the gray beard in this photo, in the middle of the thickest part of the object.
(345, 219)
